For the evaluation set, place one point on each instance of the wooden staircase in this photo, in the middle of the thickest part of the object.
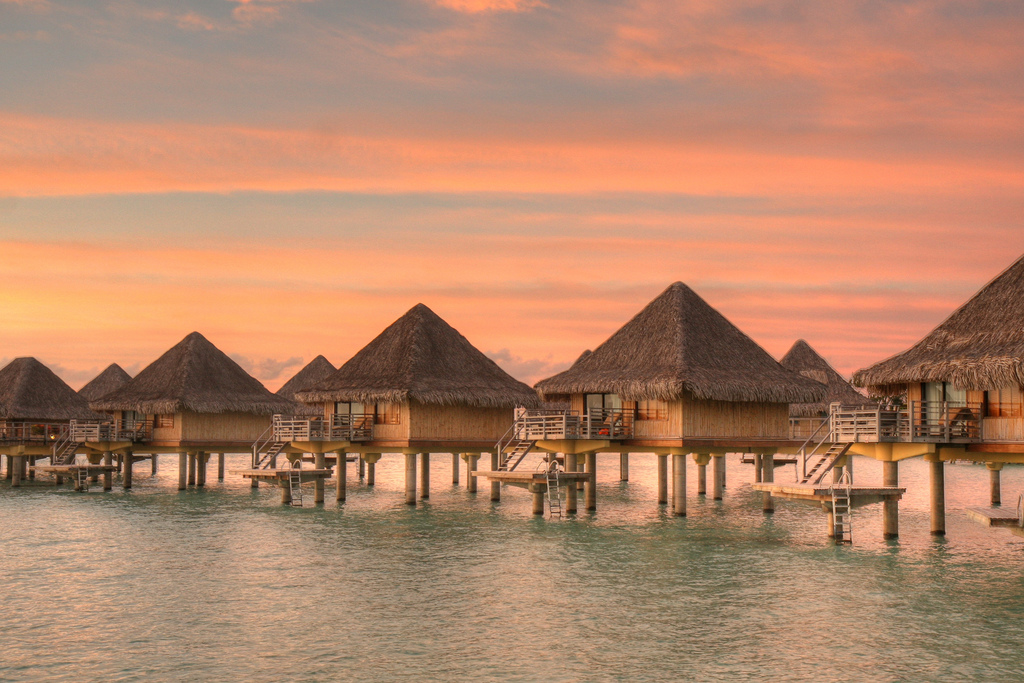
(512, 449)
(824, 463)
(64, 451)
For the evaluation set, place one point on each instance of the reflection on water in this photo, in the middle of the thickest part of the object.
(227, 584)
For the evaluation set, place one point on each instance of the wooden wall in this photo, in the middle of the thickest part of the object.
(166, 433)
(735, 419)
(433, 422)
(221, 426)
(672, 427)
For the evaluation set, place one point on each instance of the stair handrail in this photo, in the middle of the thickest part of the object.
(509, 436)
(802, 451)
(264, 440)
(65, 439)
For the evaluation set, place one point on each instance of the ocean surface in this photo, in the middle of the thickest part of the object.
(225, 584)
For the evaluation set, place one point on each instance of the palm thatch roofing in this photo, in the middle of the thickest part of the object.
(114, 377)
(194, 376)
(318, 369)
(31, 391)
(804, 360)
(980, 346)
(422, 358)
(679, 344)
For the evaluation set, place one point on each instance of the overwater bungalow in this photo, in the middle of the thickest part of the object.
(806, 418)
(317, 369)
(955, 395)
(677, 379)
(418, 388)
(194, 401)
(36, 410)
(114, 377)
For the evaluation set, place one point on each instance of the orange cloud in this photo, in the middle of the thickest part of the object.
(475, 6)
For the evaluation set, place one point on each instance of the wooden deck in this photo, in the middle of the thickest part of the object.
(281, 475)
(994, 516)
(859, 495)
(527, 477)
(70, 470)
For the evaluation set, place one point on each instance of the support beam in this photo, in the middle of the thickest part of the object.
(108, 476)
(341, 477)
(679, 484)
(718, 475)
(495, 485)
(890, 506)
(702, 479)
(319, 462)
(571, 494)
(410, 478)
(590, 490)
(286, 493)
(455, 469)
(662, 480)
(126, 476)
(768, 476)
(424, 476)
(201, 460)
(758, 467)
(154, 463)
(362, 467)
(995, 493)
(623, 466)
(371, 467)
(192, 469)
(220, 467)
(15, 465)
(183, 471)
(538, 491)
(938, 498)
(471, 461)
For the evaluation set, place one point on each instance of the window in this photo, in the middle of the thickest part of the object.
(163, 421)
(602, 402)
(387, 413)
(652, 410)
(1003, 402)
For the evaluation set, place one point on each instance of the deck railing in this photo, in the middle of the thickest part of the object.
(339, 427)
(920, 421)
(597, 423)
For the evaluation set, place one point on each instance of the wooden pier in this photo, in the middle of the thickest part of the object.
(994, 516)
(822, 493)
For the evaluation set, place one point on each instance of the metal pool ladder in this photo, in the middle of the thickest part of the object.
(841, 516)
(554, 490)
(295, 483)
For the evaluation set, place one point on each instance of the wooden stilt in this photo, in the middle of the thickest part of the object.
(16, 468)
(995, 494)
(938, 498)
(470, 468)
(890, 506)
(341, 477)
(126, 475)
(590, 490)
(108, 477)
(286, 493)
(320, 462)
(455, 469)
(623, 466)
(362, 467)
(571, 494)
(679, 484)
(31, 467)
(220, 466)
(183, 471)
(758, 467)
(717, 472)
(662, 480)
(495, 485)
(191, 469)
(768, 475)
(410, 478)
(538, 491)
(201, 460)
(154, 463)
(424, 476)
(371, 468)
(702, 479)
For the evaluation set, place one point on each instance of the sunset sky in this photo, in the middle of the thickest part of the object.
(290, 176)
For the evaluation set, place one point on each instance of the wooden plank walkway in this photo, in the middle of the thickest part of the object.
(994, 516)
(283, 474)
(859, 495)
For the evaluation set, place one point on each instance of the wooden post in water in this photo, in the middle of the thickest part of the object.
(192, 469)
(938, 497)
(341, 477)
(153, 462)
(718, 475)
(679, 484)
(495, 485)
(831, 519)
(890, 506)
(623, 466)
(220, 466)
(455, 469)
(108, 476)
(538, 491)
(286, 492)
(662, 479)
(371, 467)
(14, 464)
(993, 480)
(362, 467)
(702, 473)
(201, 459)
(758, 467)
(424, 476)
(183, 470)
(126, 475)
(571, 494)
(31, 468)
(471, 461)
(590, 490)
(319, 462)
(768, 476)
(410, 478)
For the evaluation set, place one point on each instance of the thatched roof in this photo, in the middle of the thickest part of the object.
(679, 344)
(114, 377)
(30, 391)
(422, 358)
(804, 360)
(318, 369)
(198, 377)
(980, 346)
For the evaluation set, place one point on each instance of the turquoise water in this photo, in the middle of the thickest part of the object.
(226, 584)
